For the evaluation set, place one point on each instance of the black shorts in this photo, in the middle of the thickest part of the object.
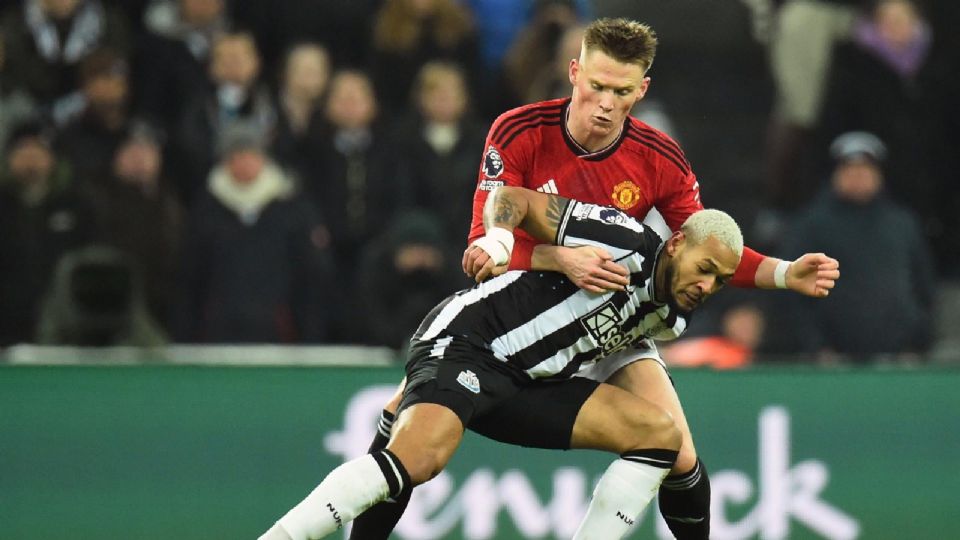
(492, 398)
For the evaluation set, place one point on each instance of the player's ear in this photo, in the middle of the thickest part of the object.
(644, 86)
(675, 243)
(574, 71)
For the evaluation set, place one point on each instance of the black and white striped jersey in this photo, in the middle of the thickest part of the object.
(543, 324)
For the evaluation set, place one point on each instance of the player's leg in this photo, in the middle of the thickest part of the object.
(387, 417)
(426, 436)
(379, 521)
(685, 494)
(646, 438)
(449, 387)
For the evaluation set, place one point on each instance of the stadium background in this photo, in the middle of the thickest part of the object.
(185, 442)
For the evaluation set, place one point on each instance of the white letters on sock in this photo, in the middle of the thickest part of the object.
(347, 491)
(622, 493)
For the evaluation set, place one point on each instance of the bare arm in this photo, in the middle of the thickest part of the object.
(813, 274)
(507, 208)
(537, 213)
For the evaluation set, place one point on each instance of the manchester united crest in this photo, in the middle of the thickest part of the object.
(626, 195)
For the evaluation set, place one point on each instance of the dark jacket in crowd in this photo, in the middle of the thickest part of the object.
(148, 230)
(395, 300)
(917, 118)
(353, 185)
(442, 183)
(170, 63)
(89, 146)
(33, 237)
(259, 279)
(883, 303)
(42, 55)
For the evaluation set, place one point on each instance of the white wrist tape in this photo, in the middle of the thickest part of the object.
(498, 243)
(780, 274)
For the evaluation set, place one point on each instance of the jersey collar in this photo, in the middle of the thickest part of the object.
(582, 152)
(651, 283)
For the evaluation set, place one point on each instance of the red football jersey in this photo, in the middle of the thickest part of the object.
(643, 168)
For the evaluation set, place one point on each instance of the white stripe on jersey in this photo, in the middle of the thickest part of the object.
(564, 356)
(652, 320)
(440, 346)
(478, 293)
(547, 322)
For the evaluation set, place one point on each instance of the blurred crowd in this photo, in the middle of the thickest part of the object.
(217, 171)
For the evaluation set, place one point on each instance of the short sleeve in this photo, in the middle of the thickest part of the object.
(608, 228)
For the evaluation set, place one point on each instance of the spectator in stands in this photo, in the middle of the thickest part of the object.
(256, 265)
(531, 56)
(551, 80)
(801, 50)
(140, 216)
(300, 107)
(47, 39)
(437, 147)
(96, 298)
(405, 271)
(41, 217)
(353, 185)
(892, 80)
(343, 26)
(171, 63)
(16, 106)
(885, 305)
(90, 140)
(742, 326)
(499, 22)
(234, 94)
(409, 33)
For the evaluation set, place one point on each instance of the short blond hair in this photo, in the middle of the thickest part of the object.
(716, 223)
(624, 40)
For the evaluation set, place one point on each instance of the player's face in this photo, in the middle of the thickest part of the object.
(697, 271)
(604, 91)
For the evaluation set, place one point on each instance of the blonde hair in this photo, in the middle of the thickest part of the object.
(624, 40)
(716, 223)
(398, 28)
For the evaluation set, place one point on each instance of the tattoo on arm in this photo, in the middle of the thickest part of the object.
(505, 212)
(538, 214)
(555, 207)
(502, 210)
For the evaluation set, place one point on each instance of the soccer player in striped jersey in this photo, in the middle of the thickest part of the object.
(588, 148)
(526, 330)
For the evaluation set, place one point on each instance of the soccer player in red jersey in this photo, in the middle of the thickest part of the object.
(587, 147)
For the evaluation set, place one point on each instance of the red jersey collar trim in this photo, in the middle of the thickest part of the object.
(582, 152)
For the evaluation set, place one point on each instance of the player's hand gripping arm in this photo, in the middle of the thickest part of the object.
(506, 208)
(590, 268)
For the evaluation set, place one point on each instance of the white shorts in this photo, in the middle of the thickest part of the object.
(606, 367)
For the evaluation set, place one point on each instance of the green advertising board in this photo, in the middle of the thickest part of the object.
(163, 452)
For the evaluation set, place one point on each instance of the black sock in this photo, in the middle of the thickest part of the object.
(382, 437)
(379, 520)
(398, 480)
(685, 503)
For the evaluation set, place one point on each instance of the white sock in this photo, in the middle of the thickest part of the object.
(623, 492)
(346, 492)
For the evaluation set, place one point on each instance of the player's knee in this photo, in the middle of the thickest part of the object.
(686, 460)
(654, 429)
(424, 466)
